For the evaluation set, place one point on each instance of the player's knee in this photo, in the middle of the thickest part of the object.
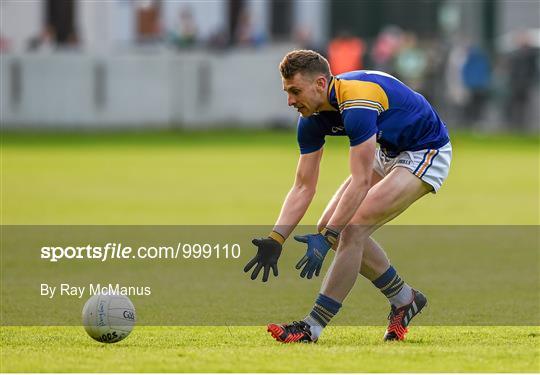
(373, 212)
(368, 216)
(373, 217)
(353, 236)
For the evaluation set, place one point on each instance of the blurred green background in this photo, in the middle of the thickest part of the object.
(238, 177)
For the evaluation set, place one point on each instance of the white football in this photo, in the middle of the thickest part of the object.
(108, 318)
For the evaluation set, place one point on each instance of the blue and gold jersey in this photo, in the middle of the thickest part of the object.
(368, 103)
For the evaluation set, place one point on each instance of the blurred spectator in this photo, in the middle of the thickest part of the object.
(476, 78)
(245, 33)
(186, 34)
(457, 94)
(411, 62)
(522, 76)
(433, 81)
(148, 21)
(219, 39)
(385, 48)
(5, 45)
(45, 41)
(346, 53)
(303, 38)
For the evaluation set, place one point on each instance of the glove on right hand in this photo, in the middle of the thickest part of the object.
(268, 252)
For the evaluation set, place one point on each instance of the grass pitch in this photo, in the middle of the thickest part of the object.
(241, 178)
(250, 349)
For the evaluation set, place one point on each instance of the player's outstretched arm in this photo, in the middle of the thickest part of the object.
(354, 191)
(361, 165)
(301, 194)
(293, 209)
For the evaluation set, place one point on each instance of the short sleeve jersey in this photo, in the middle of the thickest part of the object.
(368, 103)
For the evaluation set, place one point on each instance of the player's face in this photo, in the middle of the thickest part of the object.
(305, 93)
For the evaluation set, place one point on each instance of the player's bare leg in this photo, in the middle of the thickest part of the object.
(300, 331)
(357, 252)
(384, 201)
(374, 259)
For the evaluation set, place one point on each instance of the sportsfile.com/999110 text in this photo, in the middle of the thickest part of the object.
(114, 250)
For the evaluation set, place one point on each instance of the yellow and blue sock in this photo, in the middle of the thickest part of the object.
(323, 311)
(394, 288)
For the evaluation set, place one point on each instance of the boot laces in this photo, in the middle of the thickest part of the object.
(395, 325)
(297, 327)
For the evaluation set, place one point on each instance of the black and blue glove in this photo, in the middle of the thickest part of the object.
(318, 246)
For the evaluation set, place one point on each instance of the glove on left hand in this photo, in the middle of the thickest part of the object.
(318, 246)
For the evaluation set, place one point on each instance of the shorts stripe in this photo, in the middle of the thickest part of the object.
(423, 166)
(419, 165)
(430, 163)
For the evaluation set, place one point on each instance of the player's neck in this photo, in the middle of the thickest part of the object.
(326, 106)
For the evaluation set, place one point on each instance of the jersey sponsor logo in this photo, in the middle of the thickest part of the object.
(406, 162)
(337, 129)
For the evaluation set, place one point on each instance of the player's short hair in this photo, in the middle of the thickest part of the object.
(304, 61)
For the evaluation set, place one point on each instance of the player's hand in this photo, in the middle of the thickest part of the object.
(268, 252)
(318, 245)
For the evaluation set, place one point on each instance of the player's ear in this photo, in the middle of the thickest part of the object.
(321, 83)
